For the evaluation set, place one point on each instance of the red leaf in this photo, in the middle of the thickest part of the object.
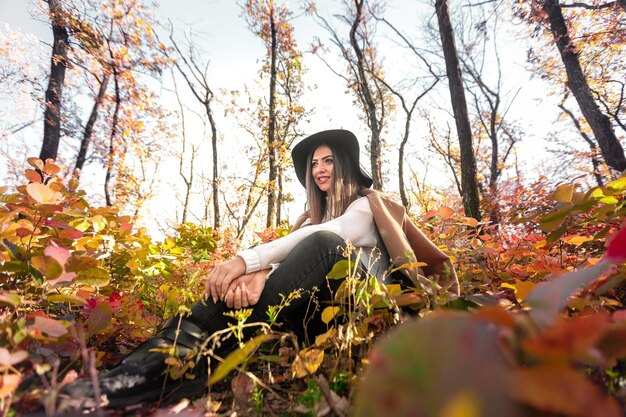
(616, 251)
(23, 232)
(71, 234)
(562, 391)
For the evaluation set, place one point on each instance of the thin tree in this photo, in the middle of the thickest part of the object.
(188, 178)
(54, 92)
(196, 77)
(469, 183)
(359, 53)
(595, 161)
(406, 107)
(490, 102)
(280, 112)
(611, 149)
(89, 126)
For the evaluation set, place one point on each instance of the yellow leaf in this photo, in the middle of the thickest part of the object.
(563, 193)
(329, 313)
(617, 185)
(323, 338)
(98, 222)
(463, 404)
(576, 240)
(307, 361)
(520, 288)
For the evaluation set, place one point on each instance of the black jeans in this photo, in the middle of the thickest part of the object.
(304, 268)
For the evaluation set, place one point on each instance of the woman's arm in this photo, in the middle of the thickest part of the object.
(356, 225)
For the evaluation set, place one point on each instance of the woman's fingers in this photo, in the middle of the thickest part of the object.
(237, 298)
(245, 302)
(231, 269)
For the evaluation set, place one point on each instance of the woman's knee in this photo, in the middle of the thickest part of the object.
(324, 239)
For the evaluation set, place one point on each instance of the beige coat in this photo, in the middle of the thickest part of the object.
(407, 245)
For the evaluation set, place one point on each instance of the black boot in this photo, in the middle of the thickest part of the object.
(143, 376)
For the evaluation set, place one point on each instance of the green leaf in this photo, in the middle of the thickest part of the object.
(48, 266)
(65, 298)
(96, 277)
(554, 220)
(340, 269)
(556, 234)
(548, 298)
(237, 357)
(10, 299)
(99, 318)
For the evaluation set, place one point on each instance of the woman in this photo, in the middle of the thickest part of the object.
(341, 208)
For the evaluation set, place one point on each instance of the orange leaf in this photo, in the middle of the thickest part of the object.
(495, 314)
(445, 212)
(568, 340)
(562, 391)
(469, 221)
(51, 168)
(33, 176)
(613, 342)
(125, 228)
(36, 163)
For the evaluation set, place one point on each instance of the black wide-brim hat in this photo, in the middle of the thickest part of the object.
(334, 138)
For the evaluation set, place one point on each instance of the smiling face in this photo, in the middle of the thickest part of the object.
(322, 167)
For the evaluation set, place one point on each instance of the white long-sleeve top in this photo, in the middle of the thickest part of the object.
(356, 225)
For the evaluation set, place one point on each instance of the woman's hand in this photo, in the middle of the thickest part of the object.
(222, 275)
(246, 290)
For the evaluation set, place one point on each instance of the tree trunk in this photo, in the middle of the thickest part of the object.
(215, 182)
(600, 124)
(370, 105)
(469, 184)
(111, 157)
(58, 65)
(405, 138)
(595, 163)
(271, 131)
(279, 198)
(84, 144)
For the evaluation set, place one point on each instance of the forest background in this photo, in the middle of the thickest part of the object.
(231, 56)
(163, 134)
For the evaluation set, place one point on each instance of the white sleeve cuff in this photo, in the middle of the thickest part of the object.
(273, 267)
(252, 260)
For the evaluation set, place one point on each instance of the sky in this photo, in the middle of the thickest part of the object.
(235, 55)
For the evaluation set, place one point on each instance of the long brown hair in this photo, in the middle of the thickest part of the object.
(344, 189)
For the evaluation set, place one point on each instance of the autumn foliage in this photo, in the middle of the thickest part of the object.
(540, 316)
